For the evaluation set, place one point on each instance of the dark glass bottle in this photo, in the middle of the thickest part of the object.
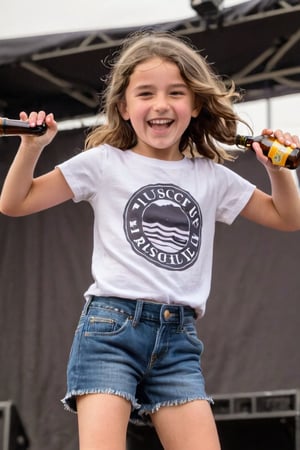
(279, 154)
(11, 127)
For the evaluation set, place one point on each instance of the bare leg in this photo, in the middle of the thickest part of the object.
(190, 426)
(102, 421)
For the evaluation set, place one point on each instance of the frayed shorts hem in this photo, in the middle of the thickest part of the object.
(150, 409)
(139, 415)
(69, 401)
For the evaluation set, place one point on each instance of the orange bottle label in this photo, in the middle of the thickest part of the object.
(279, 153)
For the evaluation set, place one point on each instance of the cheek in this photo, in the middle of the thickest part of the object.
(186, 114)
(134, 107)
(138, 112)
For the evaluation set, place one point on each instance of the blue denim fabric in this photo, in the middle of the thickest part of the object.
(146, 352)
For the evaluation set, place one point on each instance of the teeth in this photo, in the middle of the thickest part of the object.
(160, 121)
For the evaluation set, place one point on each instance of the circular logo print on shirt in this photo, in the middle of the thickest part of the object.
(163, 224)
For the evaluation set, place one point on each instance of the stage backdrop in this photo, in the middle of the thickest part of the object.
(250, 331)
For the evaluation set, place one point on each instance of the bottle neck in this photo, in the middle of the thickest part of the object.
(243, 141)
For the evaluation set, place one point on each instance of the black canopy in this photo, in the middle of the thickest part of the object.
(256, 43)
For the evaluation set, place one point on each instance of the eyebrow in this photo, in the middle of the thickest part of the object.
(172, 86)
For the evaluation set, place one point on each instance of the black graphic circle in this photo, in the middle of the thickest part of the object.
(163, 224)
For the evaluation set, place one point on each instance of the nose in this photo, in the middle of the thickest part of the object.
(161, 102)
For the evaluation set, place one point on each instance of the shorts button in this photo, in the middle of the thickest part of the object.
(167, 314)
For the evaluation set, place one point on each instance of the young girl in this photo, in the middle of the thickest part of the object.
(136, 351)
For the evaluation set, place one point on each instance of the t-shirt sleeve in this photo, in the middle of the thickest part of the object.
(233, 194)
(83, 172)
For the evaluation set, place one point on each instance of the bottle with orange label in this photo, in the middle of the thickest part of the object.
(280, 155)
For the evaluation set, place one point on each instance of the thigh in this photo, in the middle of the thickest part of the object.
(190, 426)
(102, 421)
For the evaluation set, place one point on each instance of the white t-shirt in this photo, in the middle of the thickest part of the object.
(154, 222)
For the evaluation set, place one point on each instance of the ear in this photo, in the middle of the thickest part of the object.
(122, 107)
(197, 109)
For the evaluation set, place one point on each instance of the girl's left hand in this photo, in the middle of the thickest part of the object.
(284, 138)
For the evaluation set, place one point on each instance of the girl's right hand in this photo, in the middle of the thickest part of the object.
(38, 118)
(22, 192)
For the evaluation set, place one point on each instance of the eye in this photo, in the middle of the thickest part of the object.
(177, 93)
(145, 94)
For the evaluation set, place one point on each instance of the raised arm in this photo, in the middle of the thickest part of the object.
(281, 210)
(22, 194)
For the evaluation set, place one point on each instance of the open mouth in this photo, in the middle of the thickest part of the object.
(160, 123)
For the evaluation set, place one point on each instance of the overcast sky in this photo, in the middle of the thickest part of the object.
(20, 18)
(27, 18)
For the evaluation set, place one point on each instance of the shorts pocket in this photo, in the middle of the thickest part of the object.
(105, 322)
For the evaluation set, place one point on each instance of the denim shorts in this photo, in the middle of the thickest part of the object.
(146, 352)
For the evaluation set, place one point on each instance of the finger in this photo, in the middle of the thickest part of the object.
(267, 131)
(32, 118)
(296, 140)
(279, 135)
(259, 153)
(51, 123)
(23, 115)
(41, 117)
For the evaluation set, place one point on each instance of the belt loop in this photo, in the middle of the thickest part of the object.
(181, 316)
(137, 312)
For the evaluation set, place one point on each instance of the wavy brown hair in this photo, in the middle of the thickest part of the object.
(217, 120)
